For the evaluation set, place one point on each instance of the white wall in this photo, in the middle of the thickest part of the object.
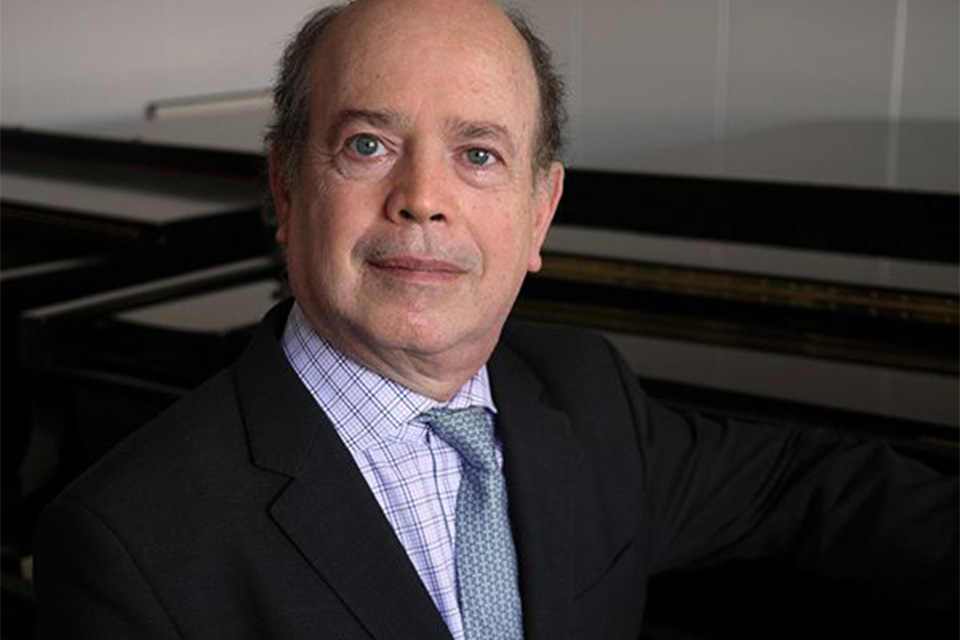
(859, 91)
(68, 62)
(793, 88)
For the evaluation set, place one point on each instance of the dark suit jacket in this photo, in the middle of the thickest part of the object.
(240, 514)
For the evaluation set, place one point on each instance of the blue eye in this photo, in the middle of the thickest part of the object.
(366, 145)
(478, 157)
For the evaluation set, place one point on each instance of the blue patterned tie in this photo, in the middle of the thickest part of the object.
(486, 561)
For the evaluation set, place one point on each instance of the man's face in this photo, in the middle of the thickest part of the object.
(417, 211)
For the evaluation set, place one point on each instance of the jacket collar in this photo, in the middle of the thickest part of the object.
(538, 466)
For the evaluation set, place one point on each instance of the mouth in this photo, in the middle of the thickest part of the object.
(417, 269)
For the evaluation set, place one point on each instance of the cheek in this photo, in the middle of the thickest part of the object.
(336, 220)
(508, 243)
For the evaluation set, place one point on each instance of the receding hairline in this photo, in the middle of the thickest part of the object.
(330, 40)
(349, 12)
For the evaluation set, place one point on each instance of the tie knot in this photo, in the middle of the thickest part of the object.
(468, 431)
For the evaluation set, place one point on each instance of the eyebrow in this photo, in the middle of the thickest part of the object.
(482, 130)
(385, 119)
(390, 119)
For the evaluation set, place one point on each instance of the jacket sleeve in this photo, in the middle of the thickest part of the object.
(839, 506)
(87, 583)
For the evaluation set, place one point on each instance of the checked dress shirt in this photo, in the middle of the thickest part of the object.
(413, 474)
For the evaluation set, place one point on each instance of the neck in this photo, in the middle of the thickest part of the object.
(436, 376)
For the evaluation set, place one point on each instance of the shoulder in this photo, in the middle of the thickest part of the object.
(556, 344)
(573, 369)
(557, 353)
(186, 444)
(197, 447)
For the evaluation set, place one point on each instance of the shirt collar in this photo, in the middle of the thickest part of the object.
(366, 408)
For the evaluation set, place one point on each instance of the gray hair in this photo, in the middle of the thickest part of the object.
(288, 132)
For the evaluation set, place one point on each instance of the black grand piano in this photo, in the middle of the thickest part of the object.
(77, 222)
(825, 305)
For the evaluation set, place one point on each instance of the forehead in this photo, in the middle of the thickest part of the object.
(456, 60)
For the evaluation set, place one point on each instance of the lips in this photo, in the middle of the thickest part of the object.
(417, 269)
(413, 263)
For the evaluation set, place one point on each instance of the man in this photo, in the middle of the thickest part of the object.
(314, 490)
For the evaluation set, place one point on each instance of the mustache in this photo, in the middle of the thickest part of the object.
(417, 249)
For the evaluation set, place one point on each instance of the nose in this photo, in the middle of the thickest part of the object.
(421, 192)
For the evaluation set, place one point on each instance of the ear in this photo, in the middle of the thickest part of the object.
(280, 192)
(547, 194)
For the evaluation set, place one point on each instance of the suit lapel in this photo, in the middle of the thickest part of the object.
(331, 516)
(327, 510)
(538, 457)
